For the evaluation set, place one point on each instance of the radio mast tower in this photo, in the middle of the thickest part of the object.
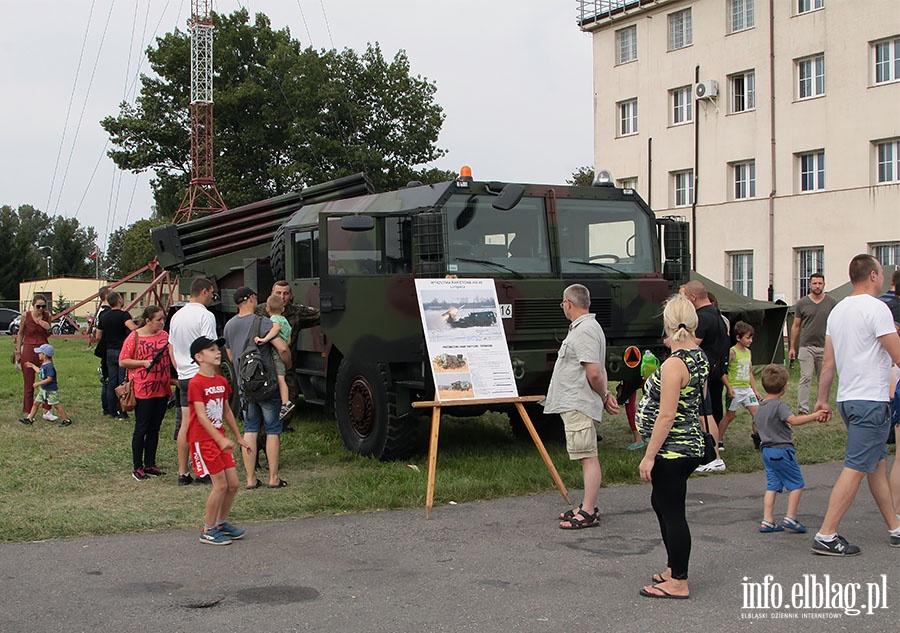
(202, 195)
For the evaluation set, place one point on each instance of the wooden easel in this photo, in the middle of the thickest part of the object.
(436, 425)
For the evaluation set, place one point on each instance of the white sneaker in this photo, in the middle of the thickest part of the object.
(715, 466)
(50, 417)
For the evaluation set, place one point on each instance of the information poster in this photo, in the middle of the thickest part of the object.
(465, 339)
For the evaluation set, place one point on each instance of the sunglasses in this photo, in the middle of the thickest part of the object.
(40, 305)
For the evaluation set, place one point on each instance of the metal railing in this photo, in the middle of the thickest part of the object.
(590, 11)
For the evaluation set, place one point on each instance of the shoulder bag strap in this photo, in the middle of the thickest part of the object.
(253, 328)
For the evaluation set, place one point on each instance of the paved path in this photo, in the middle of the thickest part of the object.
(500, 565)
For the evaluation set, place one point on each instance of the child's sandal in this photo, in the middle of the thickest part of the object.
(768, 526)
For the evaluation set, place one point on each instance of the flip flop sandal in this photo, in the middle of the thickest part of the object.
(281, 484)
(662, 594)
(568, 514)
(768, 526)
(587, 521)
(658, 578)
(258, 484)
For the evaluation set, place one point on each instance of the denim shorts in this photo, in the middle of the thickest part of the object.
(868, 426)
(782, 469)
(259, 415)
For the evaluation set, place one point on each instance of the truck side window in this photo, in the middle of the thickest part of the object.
(306, 254)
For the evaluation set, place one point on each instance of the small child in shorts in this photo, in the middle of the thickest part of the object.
(280, 327)
(47, 387)
(739, 383)
(775, 420)
(210, 448)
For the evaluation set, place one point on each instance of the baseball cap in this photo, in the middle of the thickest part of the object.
(202, 342)
(46, 349)
(242, 294)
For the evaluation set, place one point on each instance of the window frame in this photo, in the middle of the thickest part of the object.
(811, 86)
(817, 171)
(683, 188)
(684, 29)
(627, 112)
(892, 249)
(891, 162)
(743, 179)
(632, 30)
(745, 100)
(893, 60)
(743, 285)
(743, 10)
(810, 6)
(627, 183)
(686, 109)
(814, 255)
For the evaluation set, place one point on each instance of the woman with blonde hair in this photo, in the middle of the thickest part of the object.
(669, 422)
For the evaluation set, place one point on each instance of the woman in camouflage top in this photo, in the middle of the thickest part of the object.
(669, 422)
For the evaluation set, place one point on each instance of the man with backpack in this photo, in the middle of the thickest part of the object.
(892, 297)
(257, 383)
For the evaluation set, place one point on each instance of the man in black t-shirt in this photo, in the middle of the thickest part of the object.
(100, 347)
(114, 327)
(712, 337)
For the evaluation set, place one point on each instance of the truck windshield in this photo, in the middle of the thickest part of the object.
(608, 235)
(484, 239)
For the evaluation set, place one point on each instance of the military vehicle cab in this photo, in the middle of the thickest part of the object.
(355, 257)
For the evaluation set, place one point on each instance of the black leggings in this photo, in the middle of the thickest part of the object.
(148, 416)
(669, 478)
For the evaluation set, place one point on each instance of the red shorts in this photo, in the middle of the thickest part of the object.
(208, 459)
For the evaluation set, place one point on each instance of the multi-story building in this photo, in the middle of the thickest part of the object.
(772, 125)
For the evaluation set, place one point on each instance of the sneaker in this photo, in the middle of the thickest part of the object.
(634, 446)
(139, 474)
(757, 442)
(50, 417)
(66, 422)
(122, 415)
(231, 531)
(715, 466)
(213, 536)
(895, 540)
(793, 525)
(721, 447)
(286, 409)
(185, 480)
(836, 547)
(205, 479)
(28, 421)
(153, 471)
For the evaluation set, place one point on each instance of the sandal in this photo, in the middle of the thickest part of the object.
(586, 521)
(658, 578)
(568, 514)
(281, 484)
(793, 525)
(255, 486)
(768, 526)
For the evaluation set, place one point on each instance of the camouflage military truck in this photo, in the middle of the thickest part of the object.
(354, 255)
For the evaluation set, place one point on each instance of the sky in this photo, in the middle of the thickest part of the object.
(513, 77)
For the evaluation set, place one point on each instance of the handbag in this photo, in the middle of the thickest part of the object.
(709, 448)
(125, 391)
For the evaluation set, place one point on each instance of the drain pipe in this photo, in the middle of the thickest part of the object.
(650, 173)
(771, 289)
(696, 173)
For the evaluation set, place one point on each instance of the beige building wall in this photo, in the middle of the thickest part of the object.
(852, 214)
(74, 290)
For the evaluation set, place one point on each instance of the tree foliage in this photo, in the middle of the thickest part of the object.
(130, 248)
(285, 116)
(582, 177)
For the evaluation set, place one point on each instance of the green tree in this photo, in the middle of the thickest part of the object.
(72, 247)
(22, 231)
(130, 248)
(285, 116)
(582, 177)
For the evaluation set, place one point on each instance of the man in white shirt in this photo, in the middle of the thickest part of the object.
(862, 344)
(189, 323)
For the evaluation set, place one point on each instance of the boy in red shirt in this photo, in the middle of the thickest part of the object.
(208, 394)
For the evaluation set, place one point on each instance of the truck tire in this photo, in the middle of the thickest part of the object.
(276, 257)
(227, 370)
(366, 410)
(548, 425)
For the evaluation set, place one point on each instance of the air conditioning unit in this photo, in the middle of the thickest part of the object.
(707, 89)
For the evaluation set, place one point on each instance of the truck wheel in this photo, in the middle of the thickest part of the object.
(276, 257)
(230, 375)
(366, 410)
(548, 426)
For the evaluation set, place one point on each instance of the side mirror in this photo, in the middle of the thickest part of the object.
(357, 223)
(509, 197)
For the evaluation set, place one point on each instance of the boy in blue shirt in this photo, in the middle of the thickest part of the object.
(47, 388)
(774, 421)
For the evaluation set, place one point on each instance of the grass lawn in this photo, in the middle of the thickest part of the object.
(58, 482)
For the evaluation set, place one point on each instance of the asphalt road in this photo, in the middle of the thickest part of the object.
(490, 566)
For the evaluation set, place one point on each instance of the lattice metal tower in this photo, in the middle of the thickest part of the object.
(202, 195)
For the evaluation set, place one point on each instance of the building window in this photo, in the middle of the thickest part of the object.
(743, 91)
(887, 253)
(682, 105)
(812, 171)
(887, 60)
(626, 45)
(741, 15)
(740, 272)
(627, 183)
(744, 180)
(809, 261)
(811, 77)
(805, 6)
(628, 121)
(680, 34)
(683, 187)
(888, 161)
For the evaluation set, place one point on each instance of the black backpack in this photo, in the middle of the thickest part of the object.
(257, 379)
